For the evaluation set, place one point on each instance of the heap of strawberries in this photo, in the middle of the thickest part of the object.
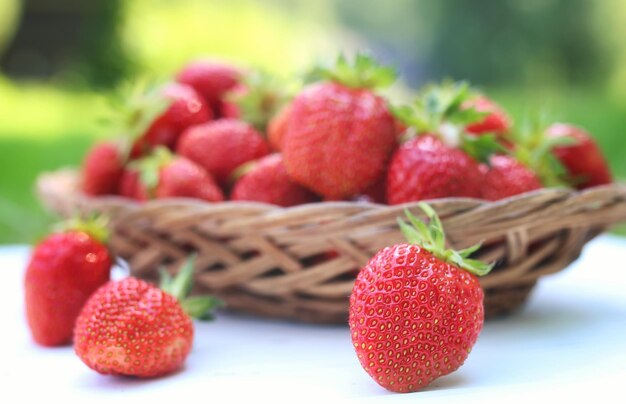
(218, 132)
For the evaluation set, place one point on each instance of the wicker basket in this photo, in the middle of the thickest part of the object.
(300, 262)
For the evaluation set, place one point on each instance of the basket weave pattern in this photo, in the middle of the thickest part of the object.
(300, 262)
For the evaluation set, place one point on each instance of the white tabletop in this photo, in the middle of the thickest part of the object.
(568, 342)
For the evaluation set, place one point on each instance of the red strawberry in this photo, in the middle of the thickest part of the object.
(164, 175)
(64, 270)
(583, 159)
(340, 134)
(102, 169)
(496, 120)
(425, 168)
(222, 146)
(133, 328)
(507, 177)
(186, 108)
(277, 128)
(130, 185)
(212, 80)
(416, 309)
(267, 181)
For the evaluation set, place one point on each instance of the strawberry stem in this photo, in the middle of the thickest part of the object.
(432, 238)
(95, 226)
(363, 72)
(199, 307)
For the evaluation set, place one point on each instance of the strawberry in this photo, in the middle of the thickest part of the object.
(184, 107)
(425, 168)
(130, 327)
(277, 127)
(212, 80)
(266, 180)
(102, 169)
(222, 146)
(64, 270)
(416, 309)
(130, 185)
(506, 177)
(495, 120)
(582, 157)
(340, 133)
(163, 175)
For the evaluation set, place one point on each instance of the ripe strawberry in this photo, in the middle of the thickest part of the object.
(186, 108)
(583, 159)
(222, 146)
(64, 270)
(133, 328)
(507, 177)
(277, 128)
(495, 120)
(416, 309)
(130, 185)
(340, 134)
(266, 180)
(212, 80)
(425, 168)
(102, 169)
(163, 175)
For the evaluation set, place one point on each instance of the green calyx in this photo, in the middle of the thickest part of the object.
(441, 110)
(432, 238)
(363, 72)
(134, 107)
(96, 226)
(263, 96)
(150, 166)
(199, 307)
(533, 148)
(438, 104)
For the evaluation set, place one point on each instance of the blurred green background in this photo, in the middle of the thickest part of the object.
(60, 60)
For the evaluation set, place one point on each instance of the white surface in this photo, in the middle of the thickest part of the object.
(568, 342)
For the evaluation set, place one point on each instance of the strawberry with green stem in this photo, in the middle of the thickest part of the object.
(340, 132)
(164, 175)
(582, 158)
(158, 116)
(64, 270)
(133, 328)
(416, 309)
(212, 79)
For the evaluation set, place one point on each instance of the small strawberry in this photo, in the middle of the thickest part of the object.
(184, 107)
(163, 175)
(222, 146)
(340, 133)
(582, 157)
(266, 180)
(425, 168)
(277, 127)
(133, 328)
(496, 120)
(212, 80)
(64, 270)
(102, 169)
(506, 177)
(130, 185)
(416, 309)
